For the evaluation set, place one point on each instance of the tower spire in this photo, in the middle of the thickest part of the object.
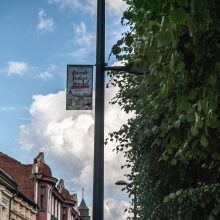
(83, 209)
(82, 193)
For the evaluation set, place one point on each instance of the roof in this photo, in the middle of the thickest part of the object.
(65, 193)
(7, 181)
(20, 173)
(23, 175)
(12, 186)
(45, 170)
(83, 205)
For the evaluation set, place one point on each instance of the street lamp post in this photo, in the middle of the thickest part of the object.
(123, 183)
(98, 171)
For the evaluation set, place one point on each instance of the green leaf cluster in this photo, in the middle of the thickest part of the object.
(172, 142)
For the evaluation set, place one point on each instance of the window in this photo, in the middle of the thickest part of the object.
(50, 201)
(64, 214)
(42, 197)
(54, 207)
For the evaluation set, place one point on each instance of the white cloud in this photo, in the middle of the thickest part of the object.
(16, 68)
(69, 134)
(89, 6)
(84, 40)
(46, 74)
(115, 209)
(83, 37)
(7, 108)
(119, 63)
(13, 108)
(116, 6)
(45, 23)
(72, 4)
(36, 72)
(83, 43)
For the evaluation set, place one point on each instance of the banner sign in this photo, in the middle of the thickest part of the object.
(79, 87)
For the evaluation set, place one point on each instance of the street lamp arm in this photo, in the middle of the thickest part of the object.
(129, 68)
(115, 68)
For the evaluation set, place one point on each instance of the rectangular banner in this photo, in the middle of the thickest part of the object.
(79, 87)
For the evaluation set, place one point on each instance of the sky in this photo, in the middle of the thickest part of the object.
(38, 39)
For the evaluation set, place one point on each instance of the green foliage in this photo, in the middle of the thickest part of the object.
(199, 198)
(172, 142)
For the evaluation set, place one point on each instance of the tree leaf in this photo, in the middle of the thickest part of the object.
(165, 38)
(173, 162)
(183, 3)
(204, 141)
(116, 49)
(179, 16)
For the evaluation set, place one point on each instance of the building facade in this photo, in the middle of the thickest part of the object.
(13, 204)
(36, 182)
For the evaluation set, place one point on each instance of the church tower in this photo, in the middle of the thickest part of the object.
(83, 209)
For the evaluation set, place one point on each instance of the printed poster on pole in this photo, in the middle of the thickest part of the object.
(79, 87)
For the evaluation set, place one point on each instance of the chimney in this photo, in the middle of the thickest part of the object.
(60, 185)
(35, 168)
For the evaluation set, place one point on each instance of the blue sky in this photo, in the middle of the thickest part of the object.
(38, 39)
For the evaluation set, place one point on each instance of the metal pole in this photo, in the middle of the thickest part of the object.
(98, 173)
